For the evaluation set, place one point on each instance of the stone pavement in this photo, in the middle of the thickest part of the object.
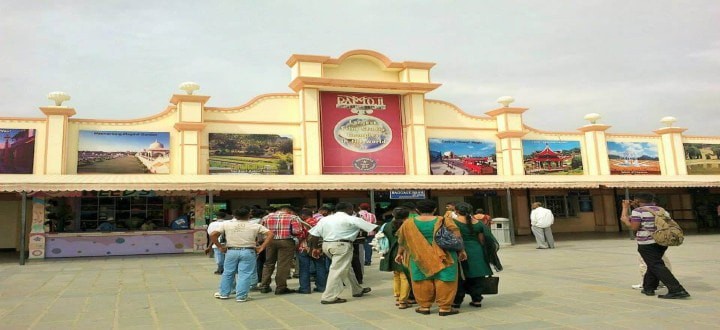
(582, 284)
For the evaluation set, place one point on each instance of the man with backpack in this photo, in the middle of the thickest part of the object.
(649, 220)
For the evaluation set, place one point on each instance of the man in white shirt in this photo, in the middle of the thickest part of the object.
(338, 231)
(540, 220)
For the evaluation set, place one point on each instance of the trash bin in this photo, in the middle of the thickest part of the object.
(500, 228)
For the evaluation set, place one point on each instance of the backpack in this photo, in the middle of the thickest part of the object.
(383, 243)
(668, 232)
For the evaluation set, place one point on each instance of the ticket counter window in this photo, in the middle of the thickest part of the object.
(120, 213)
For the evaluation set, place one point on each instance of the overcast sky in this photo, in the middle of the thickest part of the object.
(631, 61)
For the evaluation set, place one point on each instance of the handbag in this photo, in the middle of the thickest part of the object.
(446, 240)
(490, 284)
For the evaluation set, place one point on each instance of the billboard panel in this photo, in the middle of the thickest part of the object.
(702, 158)
(552, 157)
(124, 152)
(17, 151)
(633, 158)
(462, 157)
(250, 154)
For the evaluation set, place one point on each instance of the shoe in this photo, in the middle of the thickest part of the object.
(541, 248)
(423, 311)
(219, 296)
(368, 263)
(675, 295)
(648, 292)
(450, 312)
(336, 301)
(242, 299)
(364, 291)
(265, 290)
(304, 292)
(318, 290)
(475, 304)
(637, 286)
(217, 272)
(285, 291)
(402, 305)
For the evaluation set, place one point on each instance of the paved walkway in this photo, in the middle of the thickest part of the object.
(582, 284)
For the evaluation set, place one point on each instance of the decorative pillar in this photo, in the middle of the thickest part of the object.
(310, 143)
(510, 132)
(36, 243)
(418, 156)
(189, 124)
(595, 160)
(672, 148)
(56, 127)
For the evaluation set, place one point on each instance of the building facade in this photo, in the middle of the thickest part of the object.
(356, 128)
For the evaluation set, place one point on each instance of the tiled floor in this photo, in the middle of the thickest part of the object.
(582, 284)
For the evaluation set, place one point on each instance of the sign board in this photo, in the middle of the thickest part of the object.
(407, 194)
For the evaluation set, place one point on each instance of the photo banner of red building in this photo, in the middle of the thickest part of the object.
(361, 133)
(17, 151)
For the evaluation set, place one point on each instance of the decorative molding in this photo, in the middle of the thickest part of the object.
(177, 98)
(594, 128)
(344, 84)
(666, 130)
(457, 109)
(503, 110)
(247, 122)
(185, 126)
(511, 134)
(21, 120)
(168, 111)
(389, 64)
(58, 111)
(253, 101)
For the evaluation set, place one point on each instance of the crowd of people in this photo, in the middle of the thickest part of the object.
(330, 247)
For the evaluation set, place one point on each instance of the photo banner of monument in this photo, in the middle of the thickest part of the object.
(264, 154)
(462, 157)
(17, 151)
(702, 158)
(552, 157)
(124, 152)
(361, 133)
(633, 158)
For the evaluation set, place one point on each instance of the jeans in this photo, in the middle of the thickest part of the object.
(219, 258)
(321, 272)
(368, 249)
(242, 263)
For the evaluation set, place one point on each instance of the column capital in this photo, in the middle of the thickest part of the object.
(177, 98)
(504, 110)
(187, 126)
(511, 134)
(58, 111)
(668, 130)
(594, 128)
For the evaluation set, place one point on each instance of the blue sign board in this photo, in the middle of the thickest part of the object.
(407, 194)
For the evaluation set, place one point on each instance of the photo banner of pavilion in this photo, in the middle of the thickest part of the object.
(552, 157)
(702, 158)
(266, 154)
(17, 151)
(633, 158)
(462, 157)
(124, 152)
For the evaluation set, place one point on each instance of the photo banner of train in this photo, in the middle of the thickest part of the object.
(633, 158)
(702, 158)
(552, 157)
(262, 154)
(17, 151)
(124, 152)
(361, 133)
(462, 157)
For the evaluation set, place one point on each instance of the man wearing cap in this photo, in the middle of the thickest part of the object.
(338, 231)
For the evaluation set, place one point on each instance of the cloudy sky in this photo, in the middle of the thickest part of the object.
(631, 61)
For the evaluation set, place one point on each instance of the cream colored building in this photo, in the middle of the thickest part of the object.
(583, 203)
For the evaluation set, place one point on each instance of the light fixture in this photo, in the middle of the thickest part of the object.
(592, 117)
(505, 100)
(189, 87)
(668, 120)
(58, 97)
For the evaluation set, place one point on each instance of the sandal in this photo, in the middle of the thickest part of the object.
(424, 311)
(452, 311)
(402, 305)
(475, 304)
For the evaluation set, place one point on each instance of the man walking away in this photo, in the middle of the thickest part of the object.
(338, 231)
(540, 220)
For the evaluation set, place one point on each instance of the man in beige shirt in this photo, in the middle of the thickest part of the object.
(240, 252)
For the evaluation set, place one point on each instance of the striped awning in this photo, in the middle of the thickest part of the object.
(157, 182)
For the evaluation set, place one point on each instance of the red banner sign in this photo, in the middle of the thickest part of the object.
(361, 133)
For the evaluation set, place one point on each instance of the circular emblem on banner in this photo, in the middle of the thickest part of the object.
(363, 133)
(365, 164)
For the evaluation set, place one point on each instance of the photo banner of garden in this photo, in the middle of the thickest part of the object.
(633, 158)
(250, 154)
(552, 157)
(702, 158)
(462, 157)
(124, 152)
